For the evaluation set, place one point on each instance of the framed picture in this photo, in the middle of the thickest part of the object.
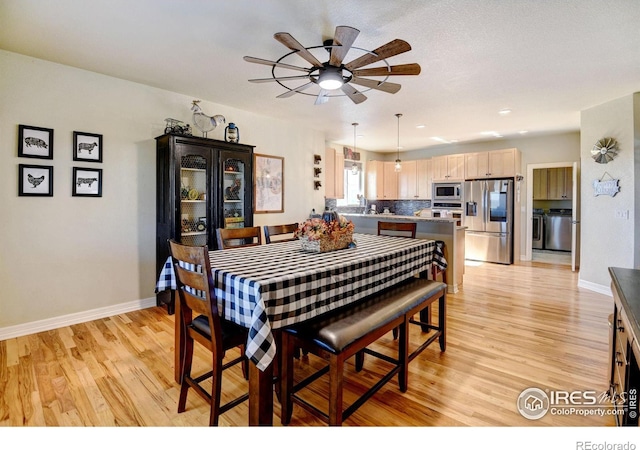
(87, 147)
(35, 180)
(35, 142)
(268, 184)
(87, 182)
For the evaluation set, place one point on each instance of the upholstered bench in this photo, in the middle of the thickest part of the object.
(338, 335)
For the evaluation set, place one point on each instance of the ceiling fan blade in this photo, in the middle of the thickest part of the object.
(355, 95)
(322, 97)
(266, 62)
(384, 86)
(290, 42)
(402, 69)
(344, 37)
(388, 50)
(296, 90)
(267, 80)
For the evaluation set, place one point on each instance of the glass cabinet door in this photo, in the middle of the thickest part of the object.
(234, 196)
(193, 200)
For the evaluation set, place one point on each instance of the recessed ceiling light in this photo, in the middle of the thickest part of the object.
(439, 139)
(504, 112)
(523, 131)
(491, 133)
(420, 126)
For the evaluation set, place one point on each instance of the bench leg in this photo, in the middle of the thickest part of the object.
(336, 363)
(286, 378)
(403, 355)
(359, 360)
(442, 320)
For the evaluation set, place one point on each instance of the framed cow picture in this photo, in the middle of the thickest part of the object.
(35, 142)
(87, 147)
(87, 182)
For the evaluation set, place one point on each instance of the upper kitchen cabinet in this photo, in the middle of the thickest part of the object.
(560, 183)
(334, 174)
(375, 180)
(448, 168)
(382, 180)
(415, 180)
(390, 181)
(540, 189)
(425, 178)
(492, 164)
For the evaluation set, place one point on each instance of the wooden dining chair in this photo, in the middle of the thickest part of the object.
(238, 237)
(406, 229)
(196, 295)
(280, 230)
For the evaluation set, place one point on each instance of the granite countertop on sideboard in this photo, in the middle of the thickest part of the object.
(627, 284)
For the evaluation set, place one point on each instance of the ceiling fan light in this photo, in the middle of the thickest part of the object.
(330, 78)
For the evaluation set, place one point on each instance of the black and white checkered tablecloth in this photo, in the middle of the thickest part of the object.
(271, 286)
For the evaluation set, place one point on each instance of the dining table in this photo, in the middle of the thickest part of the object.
(268, 287)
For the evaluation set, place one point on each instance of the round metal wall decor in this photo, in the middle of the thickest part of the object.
(605, 150)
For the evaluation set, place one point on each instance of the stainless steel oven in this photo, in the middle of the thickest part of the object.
(537, 239)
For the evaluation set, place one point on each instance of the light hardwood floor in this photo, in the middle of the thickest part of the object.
(510, 328)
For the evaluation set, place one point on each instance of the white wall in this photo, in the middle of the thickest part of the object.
(607, 240)
(64, 256)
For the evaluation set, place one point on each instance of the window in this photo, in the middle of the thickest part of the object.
(353, 185)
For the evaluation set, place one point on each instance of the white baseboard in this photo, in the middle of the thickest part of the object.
(606, 290)
(72, 319)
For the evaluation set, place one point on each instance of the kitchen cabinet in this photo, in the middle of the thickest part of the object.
(334, 174)
(540, 184)
(425, 178)
(448, 168)
(491, 164)
(390, 181)
(375, 180)
(408, 181)
(201, 184)
(415, 180)
(560, 183)
(382, 180)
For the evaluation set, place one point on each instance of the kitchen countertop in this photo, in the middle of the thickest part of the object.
(393, 216)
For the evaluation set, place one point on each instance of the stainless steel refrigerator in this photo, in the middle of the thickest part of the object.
(488, 208)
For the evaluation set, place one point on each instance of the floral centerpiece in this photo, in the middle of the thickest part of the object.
(318, 235)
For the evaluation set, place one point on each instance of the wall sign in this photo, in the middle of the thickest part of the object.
(606, 187)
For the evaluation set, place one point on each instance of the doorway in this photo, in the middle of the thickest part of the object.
(533, 205)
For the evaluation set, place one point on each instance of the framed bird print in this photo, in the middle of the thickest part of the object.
(35, 181)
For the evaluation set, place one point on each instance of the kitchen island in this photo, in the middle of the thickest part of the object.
(447, 230)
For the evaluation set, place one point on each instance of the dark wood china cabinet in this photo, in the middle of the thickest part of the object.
(202, 184)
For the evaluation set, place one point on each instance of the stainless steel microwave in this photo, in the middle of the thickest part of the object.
(447, 191)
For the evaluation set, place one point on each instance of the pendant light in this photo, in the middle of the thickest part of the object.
(398, 167)
(354, 167)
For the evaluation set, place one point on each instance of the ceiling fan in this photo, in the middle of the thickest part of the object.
(333, 75)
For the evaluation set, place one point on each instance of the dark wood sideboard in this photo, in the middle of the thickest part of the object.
(624, 374)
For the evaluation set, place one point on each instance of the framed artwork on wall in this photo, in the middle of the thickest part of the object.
(35, 180)
(35, 142)
(268, 184)
(87, 182)
(87, 147)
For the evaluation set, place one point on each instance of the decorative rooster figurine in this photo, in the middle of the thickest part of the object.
(203, 122)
